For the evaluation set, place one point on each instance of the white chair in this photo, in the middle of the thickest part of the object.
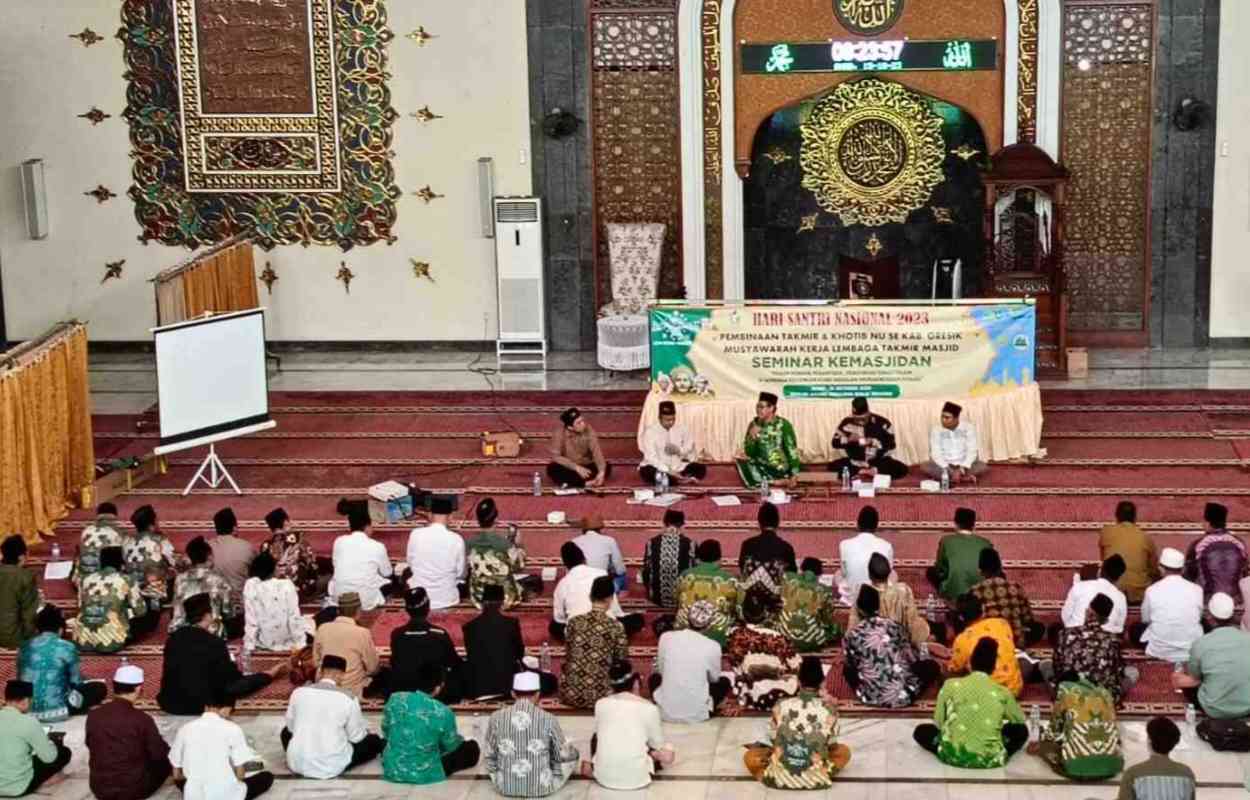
(634, 260)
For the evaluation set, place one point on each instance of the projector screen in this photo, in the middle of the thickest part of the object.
(211, 379)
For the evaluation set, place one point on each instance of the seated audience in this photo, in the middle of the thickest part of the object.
(665, 558)
(602, 552)
(764, 559)
(361, 565)
(1093, 653)
(344, 638)
(1217, 561)
(232, 559)
(496, 558)
(325, 734)
(896, 601)
(868, 440)
(1139, 551)
(19, 597)
(979, 725)
(198, 666)
(211, 755)
(687, 683)
(201, 578)
(1006, 671)
(1082, 741)
(1216, 679)
(495, 650)
(272, 617)
(805, 753)
(436, 557)
(572, 595)
(50, 664)
(807, 608)
(419, 643)
(294, 558)
(593, 641)
(30, 758)
(150, 559)
(1002, 598)
(882, 664)
(764, 663)
(1171, 612)
(422, 743)
(1082, 592)
(770, 450)
(525, 752)
(957, 567)
(953, 448)
(577, 459)
(709, 581)
(855, 552)
(1159, 777)
(668, 446)
(127, 758)
(628, 744)
(106, 530)
(111, 609)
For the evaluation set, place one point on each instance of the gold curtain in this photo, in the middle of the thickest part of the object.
(47, 456)
(222, 283)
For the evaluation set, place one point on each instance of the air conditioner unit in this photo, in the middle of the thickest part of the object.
(522, 337)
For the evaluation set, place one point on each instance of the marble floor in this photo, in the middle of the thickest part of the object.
(885, 765)
(126, 383)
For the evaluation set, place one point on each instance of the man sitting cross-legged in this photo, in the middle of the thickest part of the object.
(668, 447)
(127, 757)
(882, 664)
(28, 758)
(325, 733)
(1082, 741)
(1159, 777)
(1003, 598)
(1006, 671)
(628, 743)
(712, 583)
(764, 663)
(525, 752)
(594, 640)
(1093, 653)
(807, 608)
(687, 683)
(805, 752)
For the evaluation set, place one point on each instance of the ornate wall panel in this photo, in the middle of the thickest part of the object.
(289, 143)
(1108, 63)
(713, 213)
(635, 98)
(1026, 76)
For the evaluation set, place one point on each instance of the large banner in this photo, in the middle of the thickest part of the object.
(842, 351)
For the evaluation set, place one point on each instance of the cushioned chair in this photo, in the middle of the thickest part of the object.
(634, 260)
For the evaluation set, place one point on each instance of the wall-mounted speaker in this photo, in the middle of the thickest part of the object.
(35, 198)
(486, 194)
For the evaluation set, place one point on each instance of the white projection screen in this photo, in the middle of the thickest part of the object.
(211, 379)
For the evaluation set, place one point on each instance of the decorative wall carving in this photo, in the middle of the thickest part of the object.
(634, 101)
(1108, 62)
(868, 17)
(713, 217)
(1026, 76)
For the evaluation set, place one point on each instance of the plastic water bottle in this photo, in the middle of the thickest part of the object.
(946, 479)
(56, 551)
(1191, 719)
(1035, 720)
(245, 661)
(478, 728)
(544, 658)
(846, 479)
(538, 485)
(764, 491)
(930, 609)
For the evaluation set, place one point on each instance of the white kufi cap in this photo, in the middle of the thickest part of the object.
(526, 682)
(128, 674)
(1221, 606)
(1172, 558)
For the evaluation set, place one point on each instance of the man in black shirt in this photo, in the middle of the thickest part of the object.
(495, 650)
(765, 559)
(868, 440)
(419, 643)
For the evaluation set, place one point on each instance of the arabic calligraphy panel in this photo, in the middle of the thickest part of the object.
(868, 17)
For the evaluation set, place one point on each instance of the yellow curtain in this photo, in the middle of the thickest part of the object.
(47, 456)
(223, 282)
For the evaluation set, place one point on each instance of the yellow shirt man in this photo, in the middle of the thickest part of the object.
(1006, 670)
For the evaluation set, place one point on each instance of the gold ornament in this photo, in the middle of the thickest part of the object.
(268, 277)
(345, 276)
(112, 269)
(101, 194)
(427, 194)
(942, 214)
(88, 37)
(778, 156)
(421, 269)
(808, 223)
(95, 115)
(872, 152)
(426, 115)
(868, 17)
(873, 245)
(965, 151)
(420, 36)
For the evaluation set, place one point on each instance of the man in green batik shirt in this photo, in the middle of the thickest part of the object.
(711, 582)
(1082, 741)
(807, 608)
(772, 450)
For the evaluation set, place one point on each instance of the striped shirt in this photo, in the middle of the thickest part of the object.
(1157, 778)
(526, 754)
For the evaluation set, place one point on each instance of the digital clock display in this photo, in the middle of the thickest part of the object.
(872, 55)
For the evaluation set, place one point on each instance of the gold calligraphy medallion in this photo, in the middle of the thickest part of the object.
(868, 17)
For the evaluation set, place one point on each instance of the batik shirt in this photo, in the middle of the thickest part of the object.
(51, 664)
(712, 583)
(765, 666)
(150, 565)
(593, 642)
(1001, 598)
(107, 601)
(970, 713)
(295, 560)
(495, 561)
(525, 752)
(201, 579)
(882, 654)
(1092, 653)
(805, 731)
(1217, 562)
(419, 731)
(1083, 725)
(773, 454)
(807, 612)
(664, 559)
(106, 531)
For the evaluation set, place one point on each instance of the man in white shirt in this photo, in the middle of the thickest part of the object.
(1082, 592)
(953, 447)
(210, 756)
(669, 448)
(687, 683)
(628, 742)
(361, 564)
(1171, 612)
(601, 552)
(572, 595)
(436, 557)
(855, 552)
(325, 733)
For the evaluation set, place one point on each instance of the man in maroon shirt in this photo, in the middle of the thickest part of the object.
(128, 758)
